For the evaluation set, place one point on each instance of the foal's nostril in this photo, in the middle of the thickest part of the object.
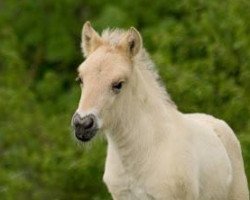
(88, 122)
(83, 124)
(76, 120)
(85, 127)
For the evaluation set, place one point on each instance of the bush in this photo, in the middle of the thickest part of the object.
(201, 49)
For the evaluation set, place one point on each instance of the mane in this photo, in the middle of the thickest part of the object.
(113, 36)
(142, 59)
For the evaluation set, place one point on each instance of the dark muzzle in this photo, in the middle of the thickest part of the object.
(85, 127)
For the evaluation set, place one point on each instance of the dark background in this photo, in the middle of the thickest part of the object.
(201, 49)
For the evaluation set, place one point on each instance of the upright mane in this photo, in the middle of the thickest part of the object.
(142, 60)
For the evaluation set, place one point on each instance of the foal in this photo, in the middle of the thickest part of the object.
(154, 151)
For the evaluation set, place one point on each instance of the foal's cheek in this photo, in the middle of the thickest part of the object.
(107, 110)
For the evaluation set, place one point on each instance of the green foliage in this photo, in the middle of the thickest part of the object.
(201, 49)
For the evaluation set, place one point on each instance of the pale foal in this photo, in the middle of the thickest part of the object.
(154, 150)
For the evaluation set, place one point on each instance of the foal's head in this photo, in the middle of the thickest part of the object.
(104, 77)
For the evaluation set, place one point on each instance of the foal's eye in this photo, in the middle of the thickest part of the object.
(79, 80)
(117, 86)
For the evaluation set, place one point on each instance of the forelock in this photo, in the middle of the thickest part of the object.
(113, 36)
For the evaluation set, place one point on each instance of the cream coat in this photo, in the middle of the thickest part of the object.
(155, 152)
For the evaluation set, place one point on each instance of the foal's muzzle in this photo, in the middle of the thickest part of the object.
(85, 127)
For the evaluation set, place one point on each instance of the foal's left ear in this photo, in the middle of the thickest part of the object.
(90, 39)
(132, 42)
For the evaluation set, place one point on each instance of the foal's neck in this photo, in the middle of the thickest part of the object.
(144, 119)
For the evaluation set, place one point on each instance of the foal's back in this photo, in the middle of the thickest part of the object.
(238, 188)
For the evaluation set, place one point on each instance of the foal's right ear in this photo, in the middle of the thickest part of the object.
(90, 39)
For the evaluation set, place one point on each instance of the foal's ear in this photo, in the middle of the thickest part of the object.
(90, 39)
(132, 42)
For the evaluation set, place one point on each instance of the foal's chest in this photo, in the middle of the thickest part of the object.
(140, 193)
(126, 188)
(137, 192)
